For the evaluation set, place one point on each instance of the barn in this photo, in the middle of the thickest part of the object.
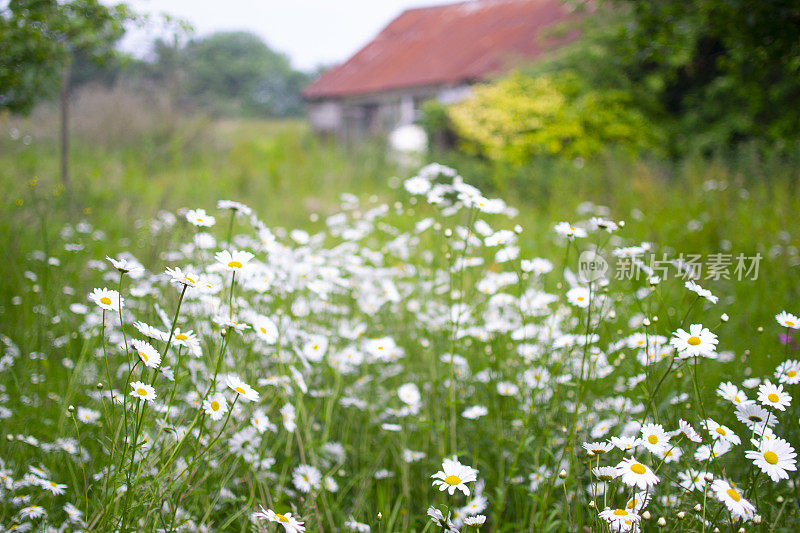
(433, 52)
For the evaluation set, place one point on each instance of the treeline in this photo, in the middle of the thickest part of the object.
(222, 74)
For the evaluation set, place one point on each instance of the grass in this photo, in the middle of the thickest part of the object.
(394, 299)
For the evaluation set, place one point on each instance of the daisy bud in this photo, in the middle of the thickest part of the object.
(716, 530)
(380, 517)
(655, 318)
(698, 508)
(517, 229)
(709, 477)
(562, 474)
(779, 499)
(724, 317)
(99, 386)
(71, 408)
(646, 515)
(760, 329)
(646, 322)
(757, 519)
(661, 522)
(448, 232)
(9, 437)
(681, 515)
(741, 530)
(592, 504)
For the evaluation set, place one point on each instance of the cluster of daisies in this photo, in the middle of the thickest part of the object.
(296, 380)
(696, 463)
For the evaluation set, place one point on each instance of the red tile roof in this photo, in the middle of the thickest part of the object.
(447, 44)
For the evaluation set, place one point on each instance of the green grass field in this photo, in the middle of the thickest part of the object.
(361, 311)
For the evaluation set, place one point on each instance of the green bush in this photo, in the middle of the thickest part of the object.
(519, 116)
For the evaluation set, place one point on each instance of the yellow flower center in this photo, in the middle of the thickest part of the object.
(263, 330)
(281, 518)
(721, 431)
(693, 340)
(637, 468)
(141, 392)
(652, 439)
(316, 347)
(790, 323)
(105, 300)
(215, 405)
(581, 298)
(773, 398)
(235, 264)
(620, 512)
(791, 373)
(190, 280)
(631, 504)
(240, 390)
(143, 356)
(734, 495)
(181, 337)
(53, 484)
(452, 480)
(771, 457)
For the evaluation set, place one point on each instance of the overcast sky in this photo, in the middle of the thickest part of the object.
(310, 32)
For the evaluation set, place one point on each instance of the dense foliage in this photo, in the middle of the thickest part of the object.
(520, 116)
(39, 38)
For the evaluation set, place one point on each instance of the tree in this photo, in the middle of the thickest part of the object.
(235, 72)
(39, 40)
(724, 70)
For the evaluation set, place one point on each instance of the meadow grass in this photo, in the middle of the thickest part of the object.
(399, 330)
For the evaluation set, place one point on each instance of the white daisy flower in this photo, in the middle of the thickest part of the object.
(692, 480)
(199, 217)
(181, 277)
(579, 297)
(454, 476)
(688, 431)
(774, 457)
(754, 416)
(107, 299)
(149, 355)
(569, 231)
(124, 265)
(620, 519)
(234, 206)
(718, 431)
(242, 388)
(787, 320)
(699, 341)
(654, 438)
(143, 391)
(233, 261)
(288, 522)
(635, 474)
(788, 372)
(306, 478)
(215, 406)
(774, 396)
(733, 500)
(474, 412)
(475, 521)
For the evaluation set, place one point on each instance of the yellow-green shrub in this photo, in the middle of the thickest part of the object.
(516, 117)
